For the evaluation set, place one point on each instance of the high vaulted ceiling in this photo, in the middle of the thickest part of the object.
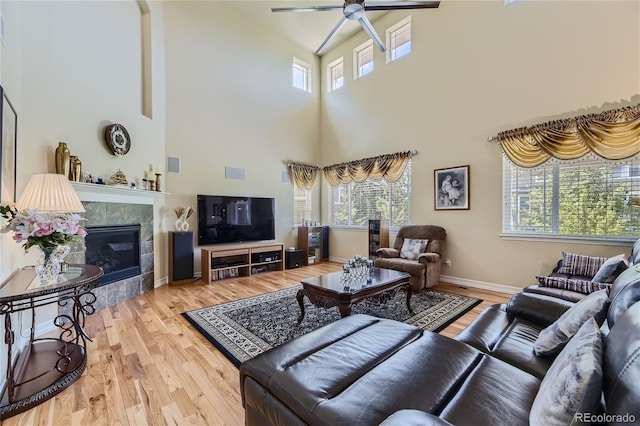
(309, 29)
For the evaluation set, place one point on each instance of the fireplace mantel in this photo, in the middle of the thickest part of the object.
(115, 194)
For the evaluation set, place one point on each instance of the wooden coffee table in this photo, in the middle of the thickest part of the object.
(329, 290)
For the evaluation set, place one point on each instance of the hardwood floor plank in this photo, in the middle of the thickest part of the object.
(147, 365)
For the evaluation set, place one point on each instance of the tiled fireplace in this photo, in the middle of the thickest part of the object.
(104, 213)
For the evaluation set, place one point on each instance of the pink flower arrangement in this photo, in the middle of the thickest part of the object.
(40, 229)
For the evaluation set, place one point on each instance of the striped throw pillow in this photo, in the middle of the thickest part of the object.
(581, 286)
(578, 264)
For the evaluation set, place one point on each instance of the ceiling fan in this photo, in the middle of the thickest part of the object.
(354, 10)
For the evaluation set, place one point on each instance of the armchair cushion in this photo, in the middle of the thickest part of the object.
(387, 252)
(412, 248)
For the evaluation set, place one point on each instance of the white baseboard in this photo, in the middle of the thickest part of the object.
(160, 282)
(500, 288)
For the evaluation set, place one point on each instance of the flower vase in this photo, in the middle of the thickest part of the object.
(48, 265)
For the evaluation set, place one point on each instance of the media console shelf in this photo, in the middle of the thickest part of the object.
(240, 260)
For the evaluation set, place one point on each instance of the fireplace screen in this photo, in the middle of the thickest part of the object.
(116, 249)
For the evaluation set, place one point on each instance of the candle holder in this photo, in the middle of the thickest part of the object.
(158, 182)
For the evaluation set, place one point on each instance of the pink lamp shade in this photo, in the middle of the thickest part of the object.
(50, 193)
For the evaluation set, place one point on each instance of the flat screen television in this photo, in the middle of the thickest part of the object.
(226, 219)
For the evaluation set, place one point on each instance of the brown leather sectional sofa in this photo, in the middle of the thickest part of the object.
(363, 370)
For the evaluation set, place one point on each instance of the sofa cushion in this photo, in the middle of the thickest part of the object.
(408, 417)
(621, 366)
(412, 247)
(610, 269)
(573, 383)
(495, 393)
(553, 338)
(584, 286)
(577, 264)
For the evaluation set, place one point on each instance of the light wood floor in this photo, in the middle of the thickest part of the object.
(148, 366)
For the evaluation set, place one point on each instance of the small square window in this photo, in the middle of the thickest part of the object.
(301, 75)
(363, 59)
(399, 40)
(335, 74)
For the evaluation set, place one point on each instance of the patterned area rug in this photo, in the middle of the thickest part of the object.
(244, 328)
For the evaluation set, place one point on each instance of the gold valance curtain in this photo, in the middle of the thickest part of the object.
(613, 135)
(389, 166)
(304, 175)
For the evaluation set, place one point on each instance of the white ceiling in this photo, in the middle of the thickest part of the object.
(308, 29)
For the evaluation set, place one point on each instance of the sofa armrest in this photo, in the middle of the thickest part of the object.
(409, 417)
(428, 257)
(387, 252)
(538, 307)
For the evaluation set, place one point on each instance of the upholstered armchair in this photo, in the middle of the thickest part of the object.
(422, 262)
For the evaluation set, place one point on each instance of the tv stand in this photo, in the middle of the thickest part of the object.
(240, 260)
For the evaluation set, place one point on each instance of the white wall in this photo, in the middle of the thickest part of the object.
(230, 103)
(71, 68)
(478, 68)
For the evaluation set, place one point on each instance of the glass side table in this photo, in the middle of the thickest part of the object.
(43, 367)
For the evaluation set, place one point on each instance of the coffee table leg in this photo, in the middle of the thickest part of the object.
(409, 293)
(300, 297)
(345, 310)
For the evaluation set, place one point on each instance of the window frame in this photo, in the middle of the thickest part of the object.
(357, 67)
(305, 68)
(406, 22)
(558, 167)
(331, 80)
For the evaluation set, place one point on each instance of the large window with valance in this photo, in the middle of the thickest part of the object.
(591, 197)
(352, 204)
(577, 177)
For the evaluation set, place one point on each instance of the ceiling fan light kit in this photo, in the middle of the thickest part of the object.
(354, 10)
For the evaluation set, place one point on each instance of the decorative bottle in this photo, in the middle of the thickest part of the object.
(72, 167)
(63, 159)
(77, 169)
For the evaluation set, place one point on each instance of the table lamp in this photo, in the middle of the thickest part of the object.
(50, 193)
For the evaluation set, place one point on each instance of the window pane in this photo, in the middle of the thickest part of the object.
(336, 74)
(300, 75)
(364, 59)
(589, 197)
(401, 42)
(301, 204)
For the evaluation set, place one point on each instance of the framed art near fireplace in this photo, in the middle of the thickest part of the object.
(8, 132)
(452, 188)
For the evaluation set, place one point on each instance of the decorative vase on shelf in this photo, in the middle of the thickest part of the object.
(63, 159)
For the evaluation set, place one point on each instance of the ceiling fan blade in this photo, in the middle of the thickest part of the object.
(333, 32)
(307, 9)
(366, 24)
(401, 5)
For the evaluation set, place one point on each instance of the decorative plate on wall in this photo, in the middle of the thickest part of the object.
(117, 139)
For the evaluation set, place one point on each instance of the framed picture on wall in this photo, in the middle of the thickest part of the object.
(452, 188)
(8, 132)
